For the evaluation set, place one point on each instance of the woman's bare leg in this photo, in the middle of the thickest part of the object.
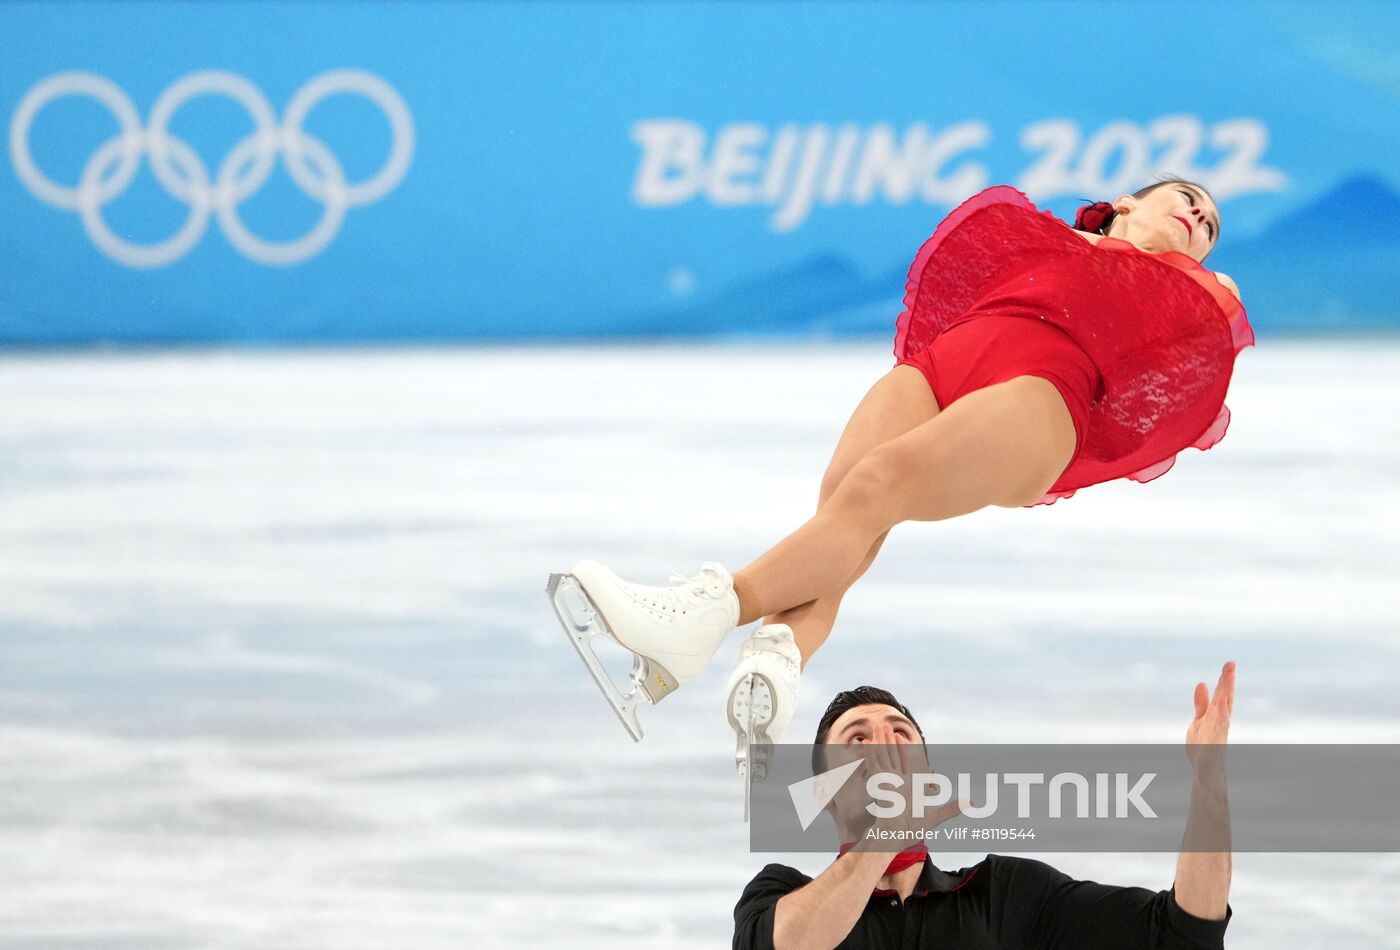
(1002, 445)
(812, 622)
(899, 401)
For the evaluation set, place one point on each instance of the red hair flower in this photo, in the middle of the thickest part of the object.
(1093, 217)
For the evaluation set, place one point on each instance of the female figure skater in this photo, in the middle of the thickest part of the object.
(1033, 359)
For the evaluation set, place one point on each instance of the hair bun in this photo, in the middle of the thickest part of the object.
(1094, 217)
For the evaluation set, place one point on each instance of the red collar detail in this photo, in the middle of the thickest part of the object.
(915, 854)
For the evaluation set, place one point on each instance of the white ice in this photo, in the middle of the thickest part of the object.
(277, 668)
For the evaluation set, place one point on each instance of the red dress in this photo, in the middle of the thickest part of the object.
(1140, 345)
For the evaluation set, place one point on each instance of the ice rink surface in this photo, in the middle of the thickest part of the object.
(277, 669)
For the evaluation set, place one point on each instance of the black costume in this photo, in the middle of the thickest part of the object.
(1003, 903)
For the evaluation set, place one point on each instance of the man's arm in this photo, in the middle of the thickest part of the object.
(1193, 914)
(778, 910)
(1203, 869)
(1046, 909)
(821, 914)
(1203, 877)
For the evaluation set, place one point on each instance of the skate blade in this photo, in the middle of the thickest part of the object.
(752, 746)
(583, 623)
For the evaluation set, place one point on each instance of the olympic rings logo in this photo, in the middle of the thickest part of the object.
(181, 172)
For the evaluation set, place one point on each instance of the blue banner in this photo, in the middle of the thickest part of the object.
(353, 171)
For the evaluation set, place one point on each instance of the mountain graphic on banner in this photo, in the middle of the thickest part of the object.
(1361, 210)
(823, 294)
(1333, 263)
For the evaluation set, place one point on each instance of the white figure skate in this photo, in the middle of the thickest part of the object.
(671, 632)
(760, 700)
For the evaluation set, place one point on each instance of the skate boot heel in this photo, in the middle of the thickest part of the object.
(657, 681)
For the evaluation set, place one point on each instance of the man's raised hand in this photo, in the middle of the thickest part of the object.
(1210, 730)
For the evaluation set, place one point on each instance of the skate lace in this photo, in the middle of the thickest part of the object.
(708, 583)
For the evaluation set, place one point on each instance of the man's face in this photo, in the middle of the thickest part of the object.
(873, 724)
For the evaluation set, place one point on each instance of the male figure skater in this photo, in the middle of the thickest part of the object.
(1003, 903)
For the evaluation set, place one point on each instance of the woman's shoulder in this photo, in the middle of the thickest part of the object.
(1229, 283)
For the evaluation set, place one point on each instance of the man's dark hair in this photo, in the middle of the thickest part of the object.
(850, 699)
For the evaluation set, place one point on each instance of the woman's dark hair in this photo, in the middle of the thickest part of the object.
(1103, 223)
(850, 699)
